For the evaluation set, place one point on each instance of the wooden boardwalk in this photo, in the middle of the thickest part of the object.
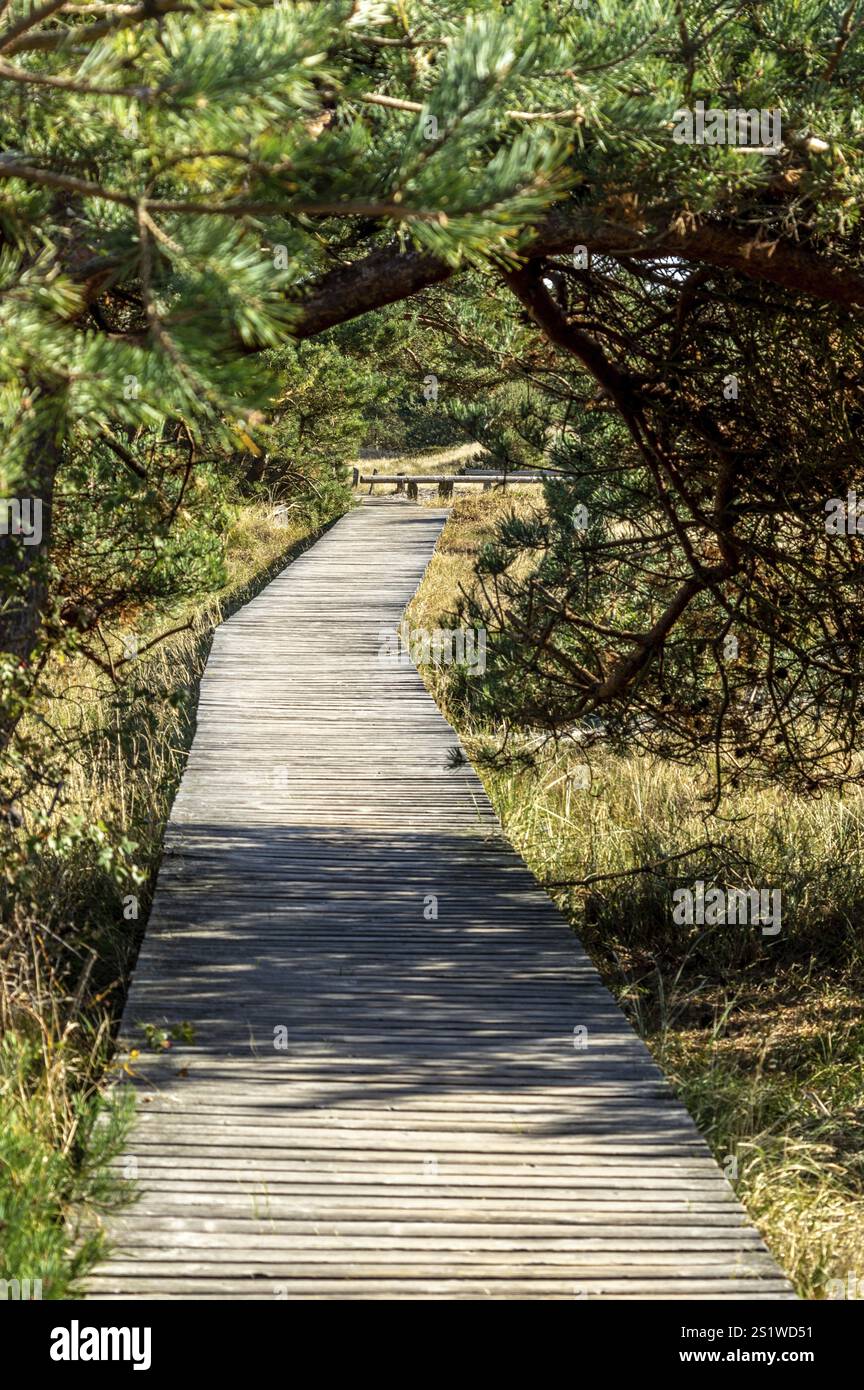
(423, 1125)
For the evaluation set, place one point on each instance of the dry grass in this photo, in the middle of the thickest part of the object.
(421, 460)
(451, 569)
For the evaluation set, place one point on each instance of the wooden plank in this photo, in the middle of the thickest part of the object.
(425, 1126)
(141, 1286)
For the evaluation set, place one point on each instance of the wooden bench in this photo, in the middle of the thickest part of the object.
(409, 482)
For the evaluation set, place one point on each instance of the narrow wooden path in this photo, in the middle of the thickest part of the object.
(423, 1125)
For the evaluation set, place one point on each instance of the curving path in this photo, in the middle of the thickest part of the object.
(373, 1104)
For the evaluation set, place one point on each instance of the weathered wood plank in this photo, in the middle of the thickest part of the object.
(365, 1101)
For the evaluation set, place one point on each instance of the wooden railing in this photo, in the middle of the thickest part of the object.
(408, 482)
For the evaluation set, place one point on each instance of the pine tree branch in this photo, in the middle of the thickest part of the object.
(120, 17)
(388, 275)
(12, 168)
(385, 276)
(28, 21)
(9, 73)
(402, 104)
(847, 29)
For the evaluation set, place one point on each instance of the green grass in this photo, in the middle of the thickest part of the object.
(762, 1037)
(58, 1135)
